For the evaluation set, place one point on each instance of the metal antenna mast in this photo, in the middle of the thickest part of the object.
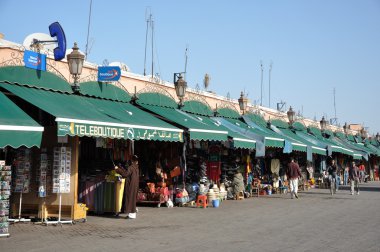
(334, 120)
(187, 47)
(88, 28)
(146, 37)
(152, 24)
(261, 96)
(270, 73)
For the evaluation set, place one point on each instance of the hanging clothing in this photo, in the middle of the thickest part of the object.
(131, 176)
(275, 166)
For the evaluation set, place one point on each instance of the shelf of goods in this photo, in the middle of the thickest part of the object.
(5, 191)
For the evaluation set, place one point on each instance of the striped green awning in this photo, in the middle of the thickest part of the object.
(198, 128)
(84, 116)
(16, 127)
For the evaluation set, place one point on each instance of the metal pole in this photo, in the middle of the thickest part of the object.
(261, 96)
(146, 42)
(152, 48)
(270, 73)
(88, 28)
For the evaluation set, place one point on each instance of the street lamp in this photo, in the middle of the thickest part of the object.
(323, 123)
(180, 87)
(75, 60)
(291, 115)
(363, 133)
(243, 102)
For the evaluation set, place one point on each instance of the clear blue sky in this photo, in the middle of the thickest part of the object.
(314, 46)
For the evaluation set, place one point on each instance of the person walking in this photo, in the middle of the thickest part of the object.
(354, 178)
(131, 176)
(345, 175)
(361, 172)
(332, 171)
(293, 173)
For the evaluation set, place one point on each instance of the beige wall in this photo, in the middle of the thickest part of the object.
(12, 54)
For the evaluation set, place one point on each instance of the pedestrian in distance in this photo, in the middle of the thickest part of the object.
(293, 174)
(361, 172)
(131, 176)
(345, 175)
(354, 178)
(332, 171)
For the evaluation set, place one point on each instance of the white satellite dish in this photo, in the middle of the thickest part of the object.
(28, 42)
(122, 66)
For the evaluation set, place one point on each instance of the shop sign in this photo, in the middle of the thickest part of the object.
(35, 60)
(80, 129)
(109, 73)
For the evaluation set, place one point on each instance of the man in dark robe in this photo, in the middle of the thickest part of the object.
(131, 176)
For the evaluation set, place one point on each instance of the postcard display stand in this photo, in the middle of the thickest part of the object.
(5, 191)
(21, 182)
(61, 178)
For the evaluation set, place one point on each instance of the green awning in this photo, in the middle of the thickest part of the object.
(16, 127)
(104, 90)
(240, 141)
(34, 78)
(85, 116)
(228, 113)
(271, 138)
(157, 99)
(336, 146)
(197, 107)
(318, 146)
(198, 128)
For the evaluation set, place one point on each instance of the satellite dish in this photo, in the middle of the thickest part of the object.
(55, 42)
(122, 66)
(30, 45)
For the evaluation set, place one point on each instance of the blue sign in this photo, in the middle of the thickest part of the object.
(109, 73)
(57, 31)
(35, 60)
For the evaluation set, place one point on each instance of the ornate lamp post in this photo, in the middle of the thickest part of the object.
(323, 123)
(180, 87)
(75, 60)
(363, 133)
(243, 102)
(345, 128)
(291, 116)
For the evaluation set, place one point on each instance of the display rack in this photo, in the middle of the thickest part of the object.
(21, 183)
(61, 179)
(5, 191)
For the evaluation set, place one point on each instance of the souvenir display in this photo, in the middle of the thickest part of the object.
(43, 176)
(61, 170)
(5, 191)
(22, 164)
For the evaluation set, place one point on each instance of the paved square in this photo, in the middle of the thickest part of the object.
(315, 222)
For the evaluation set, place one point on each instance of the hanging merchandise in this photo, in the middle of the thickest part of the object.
(21, 183)
(42, 175)
(5, 191)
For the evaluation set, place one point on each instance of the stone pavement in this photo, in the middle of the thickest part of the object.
(315, 222)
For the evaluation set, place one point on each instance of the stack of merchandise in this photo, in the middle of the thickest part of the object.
(222, 192)
(5, 191)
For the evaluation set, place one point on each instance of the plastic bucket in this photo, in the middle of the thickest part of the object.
(215, 203)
